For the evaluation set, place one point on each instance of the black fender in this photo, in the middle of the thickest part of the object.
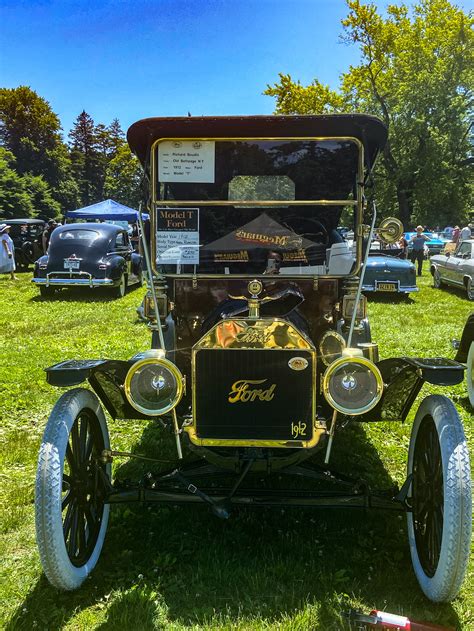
(137, 264)
(106, 377)
(117, 267)
(467, 338)
(403, 378)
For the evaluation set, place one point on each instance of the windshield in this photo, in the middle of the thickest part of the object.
(254, 206)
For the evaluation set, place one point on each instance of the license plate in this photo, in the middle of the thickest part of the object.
(387, 287)
(71, 264)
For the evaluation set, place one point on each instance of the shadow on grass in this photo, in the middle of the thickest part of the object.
(389, 298)
(182, 565)
(82, 294)
(460, 292)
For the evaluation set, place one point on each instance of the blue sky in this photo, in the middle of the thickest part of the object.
(132, 59)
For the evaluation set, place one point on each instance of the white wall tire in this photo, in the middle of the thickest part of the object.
(120, 290)
(470, 374)
(71, 519)
(439, 525)
(437, 282)
(469, 289)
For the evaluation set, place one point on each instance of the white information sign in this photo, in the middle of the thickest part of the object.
(186, 161)
(177, 236)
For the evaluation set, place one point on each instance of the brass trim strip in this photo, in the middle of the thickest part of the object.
(289, 444)
(264, 203)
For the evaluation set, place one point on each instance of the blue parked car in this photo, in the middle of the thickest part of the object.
(389, 274)
(434, 245)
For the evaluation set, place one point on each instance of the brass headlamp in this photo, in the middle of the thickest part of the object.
(154, 385)
(352, 384)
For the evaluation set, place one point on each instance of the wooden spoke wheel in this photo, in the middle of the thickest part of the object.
(71, 481)
(439, 522)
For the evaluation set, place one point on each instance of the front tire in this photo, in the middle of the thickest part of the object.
(71, 517)
(469, 289)
(470, 374)
(437, 282)
(439, 524)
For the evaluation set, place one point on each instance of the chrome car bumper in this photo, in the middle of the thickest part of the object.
(400, 289)
(78, 278)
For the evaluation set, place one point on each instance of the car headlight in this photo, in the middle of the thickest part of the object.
(154, 386)
(352, 385)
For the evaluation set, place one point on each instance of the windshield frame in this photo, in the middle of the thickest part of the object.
(157, 204)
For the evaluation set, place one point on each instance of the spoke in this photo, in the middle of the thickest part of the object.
(83, 436)
(91, 519)
(66, 500)
(72, 545)
(75, 443)
(82, 534)
(88, 449)
(68, 520)
(70, 458)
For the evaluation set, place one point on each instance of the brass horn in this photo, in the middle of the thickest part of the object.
(390, 230)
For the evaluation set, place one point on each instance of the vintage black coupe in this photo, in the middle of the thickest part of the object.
(88, 255)
(260, 350)
(27, 239)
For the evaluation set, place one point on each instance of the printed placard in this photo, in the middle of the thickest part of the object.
(177, 236)
(186, 161)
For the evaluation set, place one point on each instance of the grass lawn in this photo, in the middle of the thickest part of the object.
(181, 568)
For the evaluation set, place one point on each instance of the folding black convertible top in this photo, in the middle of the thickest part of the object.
(370, 130)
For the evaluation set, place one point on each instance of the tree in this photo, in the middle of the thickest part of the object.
(86, 159)
(92, 149)
(15, 200)
(31, 131)
(41, 196)
(123, 180)
(416, 73)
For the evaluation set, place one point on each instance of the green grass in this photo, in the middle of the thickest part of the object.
(181, 568)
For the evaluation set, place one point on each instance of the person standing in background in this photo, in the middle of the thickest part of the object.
(465, 233)
(403, 245)
(7, 252)
(52, 225)
(418, 241)
(455, 234)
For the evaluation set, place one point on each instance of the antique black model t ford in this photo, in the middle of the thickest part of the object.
(260, 351)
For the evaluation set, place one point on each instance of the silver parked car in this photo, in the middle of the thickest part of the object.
(455, 269)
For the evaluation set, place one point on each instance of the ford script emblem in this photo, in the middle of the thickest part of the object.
(298, 363)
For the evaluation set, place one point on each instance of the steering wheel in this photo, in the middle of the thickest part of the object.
(309, 228)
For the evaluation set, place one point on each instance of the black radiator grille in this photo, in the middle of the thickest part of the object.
(277, 408)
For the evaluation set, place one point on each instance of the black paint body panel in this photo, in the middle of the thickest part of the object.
(218, 370)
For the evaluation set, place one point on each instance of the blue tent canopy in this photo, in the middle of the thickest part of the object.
(106, 210)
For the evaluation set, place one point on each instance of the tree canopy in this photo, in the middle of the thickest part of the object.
(416, 73)
(42, 175)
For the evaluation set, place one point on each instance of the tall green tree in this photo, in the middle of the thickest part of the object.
(15, 200)
(123, 181)
(416, 73)
(31, 131)
(93, 147)
(86, 159)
